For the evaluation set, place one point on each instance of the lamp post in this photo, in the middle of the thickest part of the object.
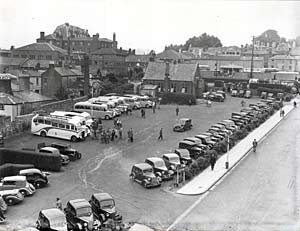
(227, 160)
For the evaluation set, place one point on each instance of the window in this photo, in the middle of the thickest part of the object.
(290, 68)
(37, 81)
(68, 126)
(40, 121)
(73, 43)
(2, 107)
(66, 43)
(47, 122)
(24, 56)
(40, 57)
(32, 56)
(72, 127)
(62, 126)
(89, 44)
(81, 43)
(54, 124)
(49, 57)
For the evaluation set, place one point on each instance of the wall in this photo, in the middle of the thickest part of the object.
(66, 105)
(11, 110)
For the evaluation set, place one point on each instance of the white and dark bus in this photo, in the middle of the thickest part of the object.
(95, 110)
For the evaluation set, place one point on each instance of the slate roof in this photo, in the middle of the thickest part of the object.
(8, 99)
(137, 58)
(178, 72)
(30, 63)
(24, 73)
(68, 72)
(42, 47)
(171, 55)
(30, 96)
(8, 61)
(109, 51)
(295, 51)
(51, 36)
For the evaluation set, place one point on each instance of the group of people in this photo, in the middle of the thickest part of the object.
(112, 133)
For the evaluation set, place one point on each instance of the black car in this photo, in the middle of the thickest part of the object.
(159, 167)
(143, 174)
(66, 149)
(35, 176)
(183, 125)
(184, 156)
(79, 215)
(103, 207)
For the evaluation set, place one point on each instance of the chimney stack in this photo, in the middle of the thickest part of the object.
(12, 48)
(42, 35)
(114, 37)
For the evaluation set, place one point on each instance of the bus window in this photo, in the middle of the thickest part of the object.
(61, 126)
(54, 124)
(40, 121)
(47, 122)
(72, 127)
(68, 126)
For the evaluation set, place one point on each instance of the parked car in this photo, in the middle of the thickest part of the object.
(143, 174)
(159, 167)
(103, 207)
(51, 219)
(194, 150)
(206, 140)
(223, 93)
(197, 141)
(270, 95)
(183, 125)
(215, 136)
(64, 159)
(279, 96)
(17, 182)
(184, 156)
(12, 197)
(241, 93)
(66, 149)
(216, 97)
(35, 176)
(248, 94)
(263, 95)
(234, 93)
(172, 161)
(79, 215)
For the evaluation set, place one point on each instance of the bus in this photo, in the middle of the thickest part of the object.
(86, 117)
(95, 110)
(58, 127)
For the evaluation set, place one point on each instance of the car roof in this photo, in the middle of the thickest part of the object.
(79, 203)
(185, 119)
(154, 159)
(53, 213)
(182, 150)
(15, 178)
(171, 155)
(201, 135)
(187, 142)
(143, 165)
(49, 148)
(29, 170)
(102, 196)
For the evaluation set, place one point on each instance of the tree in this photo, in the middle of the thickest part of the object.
(61, 93)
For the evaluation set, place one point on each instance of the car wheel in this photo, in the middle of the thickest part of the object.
(106, 117)
(144, 184)
(43, 133)
(78, 156)
(73, 138)
(10, 201)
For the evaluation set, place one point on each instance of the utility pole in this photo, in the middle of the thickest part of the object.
(252, 54)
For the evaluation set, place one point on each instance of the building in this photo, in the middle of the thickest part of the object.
(10, 105)
(171, 56)
(73, 38)
(170, 77)
(284, 63)
(56, 80)
(109, 60)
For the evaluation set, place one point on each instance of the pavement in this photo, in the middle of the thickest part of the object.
(208, 178)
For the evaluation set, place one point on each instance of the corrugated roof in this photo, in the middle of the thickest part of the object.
(7, 99)
(42, 47)
(31, 97)
(179, 72)
(68, 72)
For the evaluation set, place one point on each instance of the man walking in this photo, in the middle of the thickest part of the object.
(130, 135)
(160, 134)
(120, 132)
(213, 160)
(58, 203)
(254, 144)
(177, 110)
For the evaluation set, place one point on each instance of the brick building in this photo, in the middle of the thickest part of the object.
(170, 77)
(57, 78)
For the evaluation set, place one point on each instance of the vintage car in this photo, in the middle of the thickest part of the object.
(35, 176)
(183, 125)
(66, 149)
(172, 161)
(215, 136)
(248, 94)
(223, 93)
(159, 167)
(103, 207)
(64, 159)
(222, 128)
(79, 215)
(143, 174)
(234, 93)
(17, 182)
(206, 140)
(263, 95)
(193, 148)
(184, 156)
(51, 219)
(241, 93)
(216, 97)
(12, 197)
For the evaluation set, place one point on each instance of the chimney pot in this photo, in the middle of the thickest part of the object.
(42, 35)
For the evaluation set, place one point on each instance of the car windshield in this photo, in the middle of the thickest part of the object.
(174, 159)
(159, 164)
(84, 211)
(107, 204)
(183, 122)
(148, 170)
(58, 221)
(185, 154)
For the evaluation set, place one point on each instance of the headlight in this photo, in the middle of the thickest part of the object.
(149, 179)
(85, 224)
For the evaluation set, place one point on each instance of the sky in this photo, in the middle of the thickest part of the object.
(149, 24)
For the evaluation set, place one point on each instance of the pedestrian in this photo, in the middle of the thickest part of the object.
(158, 104)
(213, 160)
(254, 145)
(131, 135)
(115, 122)
(58, 203)
(153, 108)
(2, 208)
(113, 133)
(120, 132)
(295, 104)
(242, 103)
(283, 112)
(108, 134)
(160, 137)
(190, 102)
(99, 121)
(102, 137)
(208, 103)
(177, 110)
(144, 113)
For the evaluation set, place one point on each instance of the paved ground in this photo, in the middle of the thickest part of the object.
(107, 167)
(261, 193)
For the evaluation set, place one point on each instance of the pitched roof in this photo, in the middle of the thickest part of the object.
(11, 61)
(42, 47)
(178, 72)
(8, 99)
(25, 73)
(171, 55)
(109, 51)
(30, 96)
(33, 63)
(50, 36)
(137, 58)
(7, 76)
(63, 71)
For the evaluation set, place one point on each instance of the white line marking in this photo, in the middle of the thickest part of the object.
(186, 212)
